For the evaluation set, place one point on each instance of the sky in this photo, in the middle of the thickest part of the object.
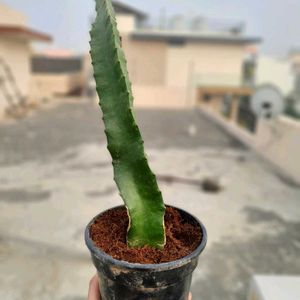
(277, 22)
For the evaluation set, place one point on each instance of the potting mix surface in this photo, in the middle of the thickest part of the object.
(109, 234)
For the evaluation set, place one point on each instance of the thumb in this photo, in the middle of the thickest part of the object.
(94, 292)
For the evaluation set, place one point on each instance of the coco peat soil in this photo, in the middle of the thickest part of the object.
(109, 234)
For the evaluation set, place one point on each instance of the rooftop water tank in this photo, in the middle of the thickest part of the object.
(177, 23)
(198, 23)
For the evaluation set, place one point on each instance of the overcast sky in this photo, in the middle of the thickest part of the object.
(276, 21)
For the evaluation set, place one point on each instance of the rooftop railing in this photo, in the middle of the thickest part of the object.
(193, 24)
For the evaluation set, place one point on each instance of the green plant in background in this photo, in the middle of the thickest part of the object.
(136, 183)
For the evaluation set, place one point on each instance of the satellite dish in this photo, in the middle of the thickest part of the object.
(267, 102)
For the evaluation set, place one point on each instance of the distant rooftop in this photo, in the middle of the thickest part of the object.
(179, 29)
(123, 8)
(13, 24)
(181, 37)
(56, 53)
(24, 33)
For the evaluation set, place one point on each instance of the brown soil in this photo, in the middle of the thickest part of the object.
(109, 234)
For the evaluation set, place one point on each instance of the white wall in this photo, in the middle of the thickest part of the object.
(279, 142)
(275, 71)
(267, 287)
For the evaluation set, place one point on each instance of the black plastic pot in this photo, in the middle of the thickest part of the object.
(120, 280)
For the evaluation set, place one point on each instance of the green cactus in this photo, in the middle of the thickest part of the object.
(136, 183)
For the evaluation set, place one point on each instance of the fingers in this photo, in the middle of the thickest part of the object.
(94, 292)
(190, 296)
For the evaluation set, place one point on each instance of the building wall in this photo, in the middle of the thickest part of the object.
(159, 96)
(11, 17)
(180, 68)
(215, 61)
(146, 61)
(279, 142)
(276, 140)
(277, 72)
(147, 66)
(47, 85)
(16, 54)
(166, 75)
(126, 23)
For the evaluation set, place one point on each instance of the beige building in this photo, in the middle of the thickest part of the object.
(15, 53)
(57, 72)
(173, 66)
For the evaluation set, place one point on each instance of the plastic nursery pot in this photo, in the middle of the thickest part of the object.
(121, 280)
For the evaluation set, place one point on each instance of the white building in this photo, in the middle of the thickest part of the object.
(278, 72)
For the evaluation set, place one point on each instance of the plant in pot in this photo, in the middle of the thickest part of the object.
(143, 250)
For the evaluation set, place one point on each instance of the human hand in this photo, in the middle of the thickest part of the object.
(94, 292)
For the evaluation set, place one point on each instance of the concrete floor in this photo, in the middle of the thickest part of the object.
(55, 175)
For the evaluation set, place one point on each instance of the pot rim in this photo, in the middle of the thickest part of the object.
(97, 252)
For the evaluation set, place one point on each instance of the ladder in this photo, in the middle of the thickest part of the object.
(9, 88)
